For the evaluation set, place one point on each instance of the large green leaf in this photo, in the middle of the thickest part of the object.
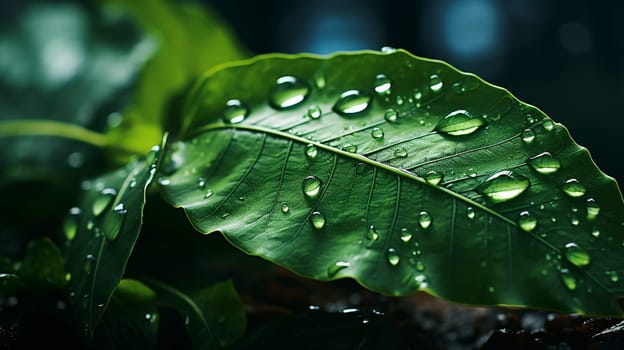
(101, 232)
(402, 173)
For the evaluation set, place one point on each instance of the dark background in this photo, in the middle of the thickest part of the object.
(563, 56)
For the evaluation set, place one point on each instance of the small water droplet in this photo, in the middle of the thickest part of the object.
(311, 151)
(371, 233)
(348, 147)
(424, 219)
(544, 163)
(201, 183)
(289, 92)
(70, 226)
(399, 100)
(574, 220)
(235, 111)
(388, 49)
(393, 256)
(284, 208)
(613, 276)
(595, 232)
(113, 223)
(68, 276)
(593, 209)
(391, 115)
(164, 181)
(528, 136)
(208, 194)
(573, 188)
(459, 123)
(88, 264)
(314, 112)
(406, 235)
(503, 186)
(377, 133)
(433, 177)
(132, 183)
(420, 267)
(400, 152)
(311, 186)
(527, 222)
(548, 125)
(491, 289)
(382, 84)
(470, 213)
(435, 83)
(351, 102)
(417, 94)
(576, 255)
(568, 280)
(103, 201)
(317, 220)
(333, 269)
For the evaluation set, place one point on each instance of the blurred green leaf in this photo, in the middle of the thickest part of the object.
(402, 173)
(10, 285)
(42, 269)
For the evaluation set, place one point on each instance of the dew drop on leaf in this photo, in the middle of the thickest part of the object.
(103, 200)
(284, 208)
(548, 125)
(70, 225)
(382, 84)
(113, 223)
(311, 186)
(88, 264)
(333, 269)
(311, 151)
(351, 102)
(470, 213)
(348, 147)
(576, 255)
(613, 276)
(435, 83)
(595, 232)
(568, 280)
(593, 209)
(371, 233)
(424, 219)
(503, 186)
(433, 177)
(527, 222)
(574, 220)
(573, 188)
(400, 152)
(420, 267)
(235, 111)
(458, 123)
(377, 133)
(544, 163)
(527, 136)
(393, 256)
(314, 112)
(417, 94)
(405, 235)
(289, 92)
(317, 220)
(201, 183)
(391, 115)
(208, 194)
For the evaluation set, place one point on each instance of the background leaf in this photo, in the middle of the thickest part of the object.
(43, 266)
(402, 173)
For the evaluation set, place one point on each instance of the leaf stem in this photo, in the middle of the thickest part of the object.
(51, 128)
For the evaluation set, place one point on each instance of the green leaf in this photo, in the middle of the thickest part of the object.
(42, 268)
(10, 285)
(101, 232)
(214, 316)
(402, 173)
(131, 319)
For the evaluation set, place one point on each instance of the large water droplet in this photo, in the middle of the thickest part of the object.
(317, 220)
(314, 112)
(351, 102)
(400, 152)
(382, 84)
(503, 186)
(459, 123)
(289, 92)
(593, 209)
(391, 115)
(333, 269)
(406, 235)
(573, 188)
(435, 83)
(235, 111)
(311, 151)
(371, 233)
(568, 280)
(433, 177)
(377, 133)
(424, 219)
(528, 136)
(393, 256)
(527, 222)
(70, 226)
(576, 255)
(103, 200)
(544, 163)
(311, 186)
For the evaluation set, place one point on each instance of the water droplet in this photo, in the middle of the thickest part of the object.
(576, 255)
(113, 223)
(527, 136)
(391, 115)
(351, 102)
(70, 226)
(595, 232)
(406, 235)
(311, 151)
(420, 267)
(548, 125)
(568, 280)
(491, 289)
(399, 100)
(400, 152)
(573, 188)
(68, 276)
(503, 186)
(208, 194)
(348, 147)
(333, 269)
(201, 183)
(544, 163)
(470, 213)
(377, 133)
(574, 220)
(417, 94)
(433, 177)
(88, 264)
(103, 201)
(527, 222)
(314, 112)
(613, 276)
(164, 181)
(593, 209)
(371, 234)
(382, 84)
(424, 219)
(132, 183)
(435, 83)
(388, 49)
(289, 92)
(284, 208)
(235, 111)
(393, 256)
(317, 220)
(459, 123)
(311, 186)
